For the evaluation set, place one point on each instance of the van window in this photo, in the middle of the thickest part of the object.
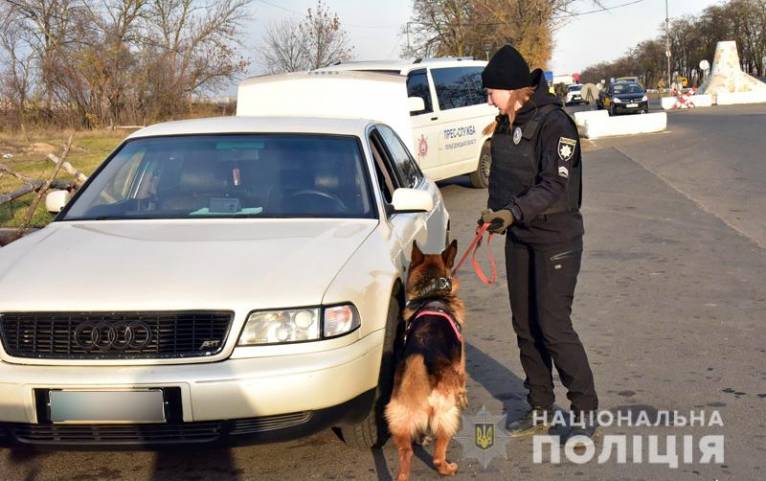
(417, 86)
(406, 168)
(458, 87)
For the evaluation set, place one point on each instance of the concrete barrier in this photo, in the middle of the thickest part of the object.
(581, 117)
(740, 98)
(598, 127)
(669, 103)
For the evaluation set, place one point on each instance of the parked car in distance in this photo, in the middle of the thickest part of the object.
(624, 97)
(574, 95)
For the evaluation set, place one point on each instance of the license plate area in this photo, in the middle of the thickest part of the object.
(136, 406)
(632, 106)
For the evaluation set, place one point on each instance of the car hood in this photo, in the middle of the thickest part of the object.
(163, 265)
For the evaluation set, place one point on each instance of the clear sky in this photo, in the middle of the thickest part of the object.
(375, 27)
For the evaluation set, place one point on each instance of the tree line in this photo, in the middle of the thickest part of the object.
(693, 39)
(97, 63)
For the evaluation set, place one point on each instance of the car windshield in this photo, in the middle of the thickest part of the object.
(273, 176)
(575, 88)
(628, 89)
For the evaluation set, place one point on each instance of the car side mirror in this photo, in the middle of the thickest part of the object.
(407, 201)
(56, 200)
(416, 104)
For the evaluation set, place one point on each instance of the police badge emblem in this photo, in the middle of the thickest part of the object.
(566, 148)
(516, 135)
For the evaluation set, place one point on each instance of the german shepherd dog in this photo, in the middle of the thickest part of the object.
(429, 381)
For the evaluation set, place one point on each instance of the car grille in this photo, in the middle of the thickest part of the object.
(150, 434)
(114, 335)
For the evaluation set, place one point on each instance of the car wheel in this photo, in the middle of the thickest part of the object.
(612, 111)
(372, 431)
(480, 177)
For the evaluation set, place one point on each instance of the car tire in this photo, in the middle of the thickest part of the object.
(612, 111)
(480, 177)
(372, 431)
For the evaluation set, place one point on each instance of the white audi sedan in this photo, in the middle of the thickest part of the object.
(217, 280)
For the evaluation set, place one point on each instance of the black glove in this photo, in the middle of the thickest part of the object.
(499, 220)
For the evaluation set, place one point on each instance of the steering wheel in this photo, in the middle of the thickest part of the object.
(338, 203)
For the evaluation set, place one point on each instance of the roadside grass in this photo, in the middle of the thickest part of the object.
(29, 158)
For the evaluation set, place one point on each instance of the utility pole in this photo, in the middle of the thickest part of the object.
(667, 40)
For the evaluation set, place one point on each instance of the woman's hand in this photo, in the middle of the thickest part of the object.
(499, 220)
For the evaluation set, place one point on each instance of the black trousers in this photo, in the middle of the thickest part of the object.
(541, 285)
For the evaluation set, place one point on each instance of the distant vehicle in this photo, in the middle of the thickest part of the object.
(624, 97)
(574, 95)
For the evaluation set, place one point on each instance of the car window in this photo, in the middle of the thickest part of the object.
(417, 86)
(385, 174)
(406, 168)
(628, 89)
(458, 87)
(275, 176)
(575, 88)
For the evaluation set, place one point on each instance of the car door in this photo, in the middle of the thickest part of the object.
(399, 169)
(425, 130)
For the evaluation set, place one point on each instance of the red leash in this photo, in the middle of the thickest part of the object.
(472, 248)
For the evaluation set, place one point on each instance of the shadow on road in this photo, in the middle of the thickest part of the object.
(195, 465)
(497, 379)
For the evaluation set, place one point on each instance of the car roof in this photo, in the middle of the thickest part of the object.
(404, 66)
(253, 124)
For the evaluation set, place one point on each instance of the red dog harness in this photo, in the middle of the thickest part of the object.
(444, 315)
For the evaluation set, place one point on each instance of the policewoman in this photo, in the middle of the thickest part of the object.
(535, 191)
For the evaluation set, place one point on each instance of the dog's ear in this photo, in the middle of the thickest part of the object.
(417, 255)
(448, 256)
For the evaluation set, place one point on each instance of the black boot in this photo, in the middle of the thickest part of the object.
(534, 421)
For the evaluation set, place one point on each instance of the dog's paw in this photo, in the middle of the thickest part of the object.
(446, 469)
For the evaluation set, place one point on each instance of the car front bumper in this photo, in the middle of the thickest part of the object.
(623, 107)
(263, 398)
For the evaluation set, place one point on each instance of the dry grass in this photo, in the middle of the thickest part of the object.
(29, 153)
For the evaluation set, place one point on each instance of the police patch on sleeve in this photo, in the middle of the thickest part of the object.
(563, 172)
(566, 148)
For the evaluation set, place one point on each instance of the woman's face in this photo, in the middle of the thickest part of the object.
(501, 99)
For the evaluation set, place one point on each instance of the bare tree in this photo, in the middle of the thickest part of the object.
(479, 27)
(326, 41)
(195, 43)
(285, 48)
(17, 73)
(317, 41)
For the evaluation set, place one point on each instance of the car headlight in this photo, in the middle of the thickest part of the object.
(616, 100)
(644, 99)
(297, 325)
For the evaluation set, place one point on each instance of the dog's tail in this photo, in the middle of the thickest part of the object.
(408, 412)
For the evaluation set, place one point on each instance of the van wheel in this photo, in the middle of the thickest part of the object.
(480, 177)
(372, 431)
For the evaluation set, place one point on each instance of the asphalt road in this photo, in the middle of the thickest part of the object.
(670, 304)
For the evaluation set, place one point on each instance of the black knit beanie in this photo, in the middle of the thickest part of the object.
(506, 70)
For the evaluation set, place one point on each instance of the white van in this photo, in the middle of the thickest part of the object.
(447, 134)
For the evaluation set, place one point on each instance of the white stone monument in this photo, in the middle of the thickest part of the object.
(727, 76)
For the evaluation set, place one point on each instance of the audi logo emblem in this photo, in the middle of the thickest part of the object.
(106, 336)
